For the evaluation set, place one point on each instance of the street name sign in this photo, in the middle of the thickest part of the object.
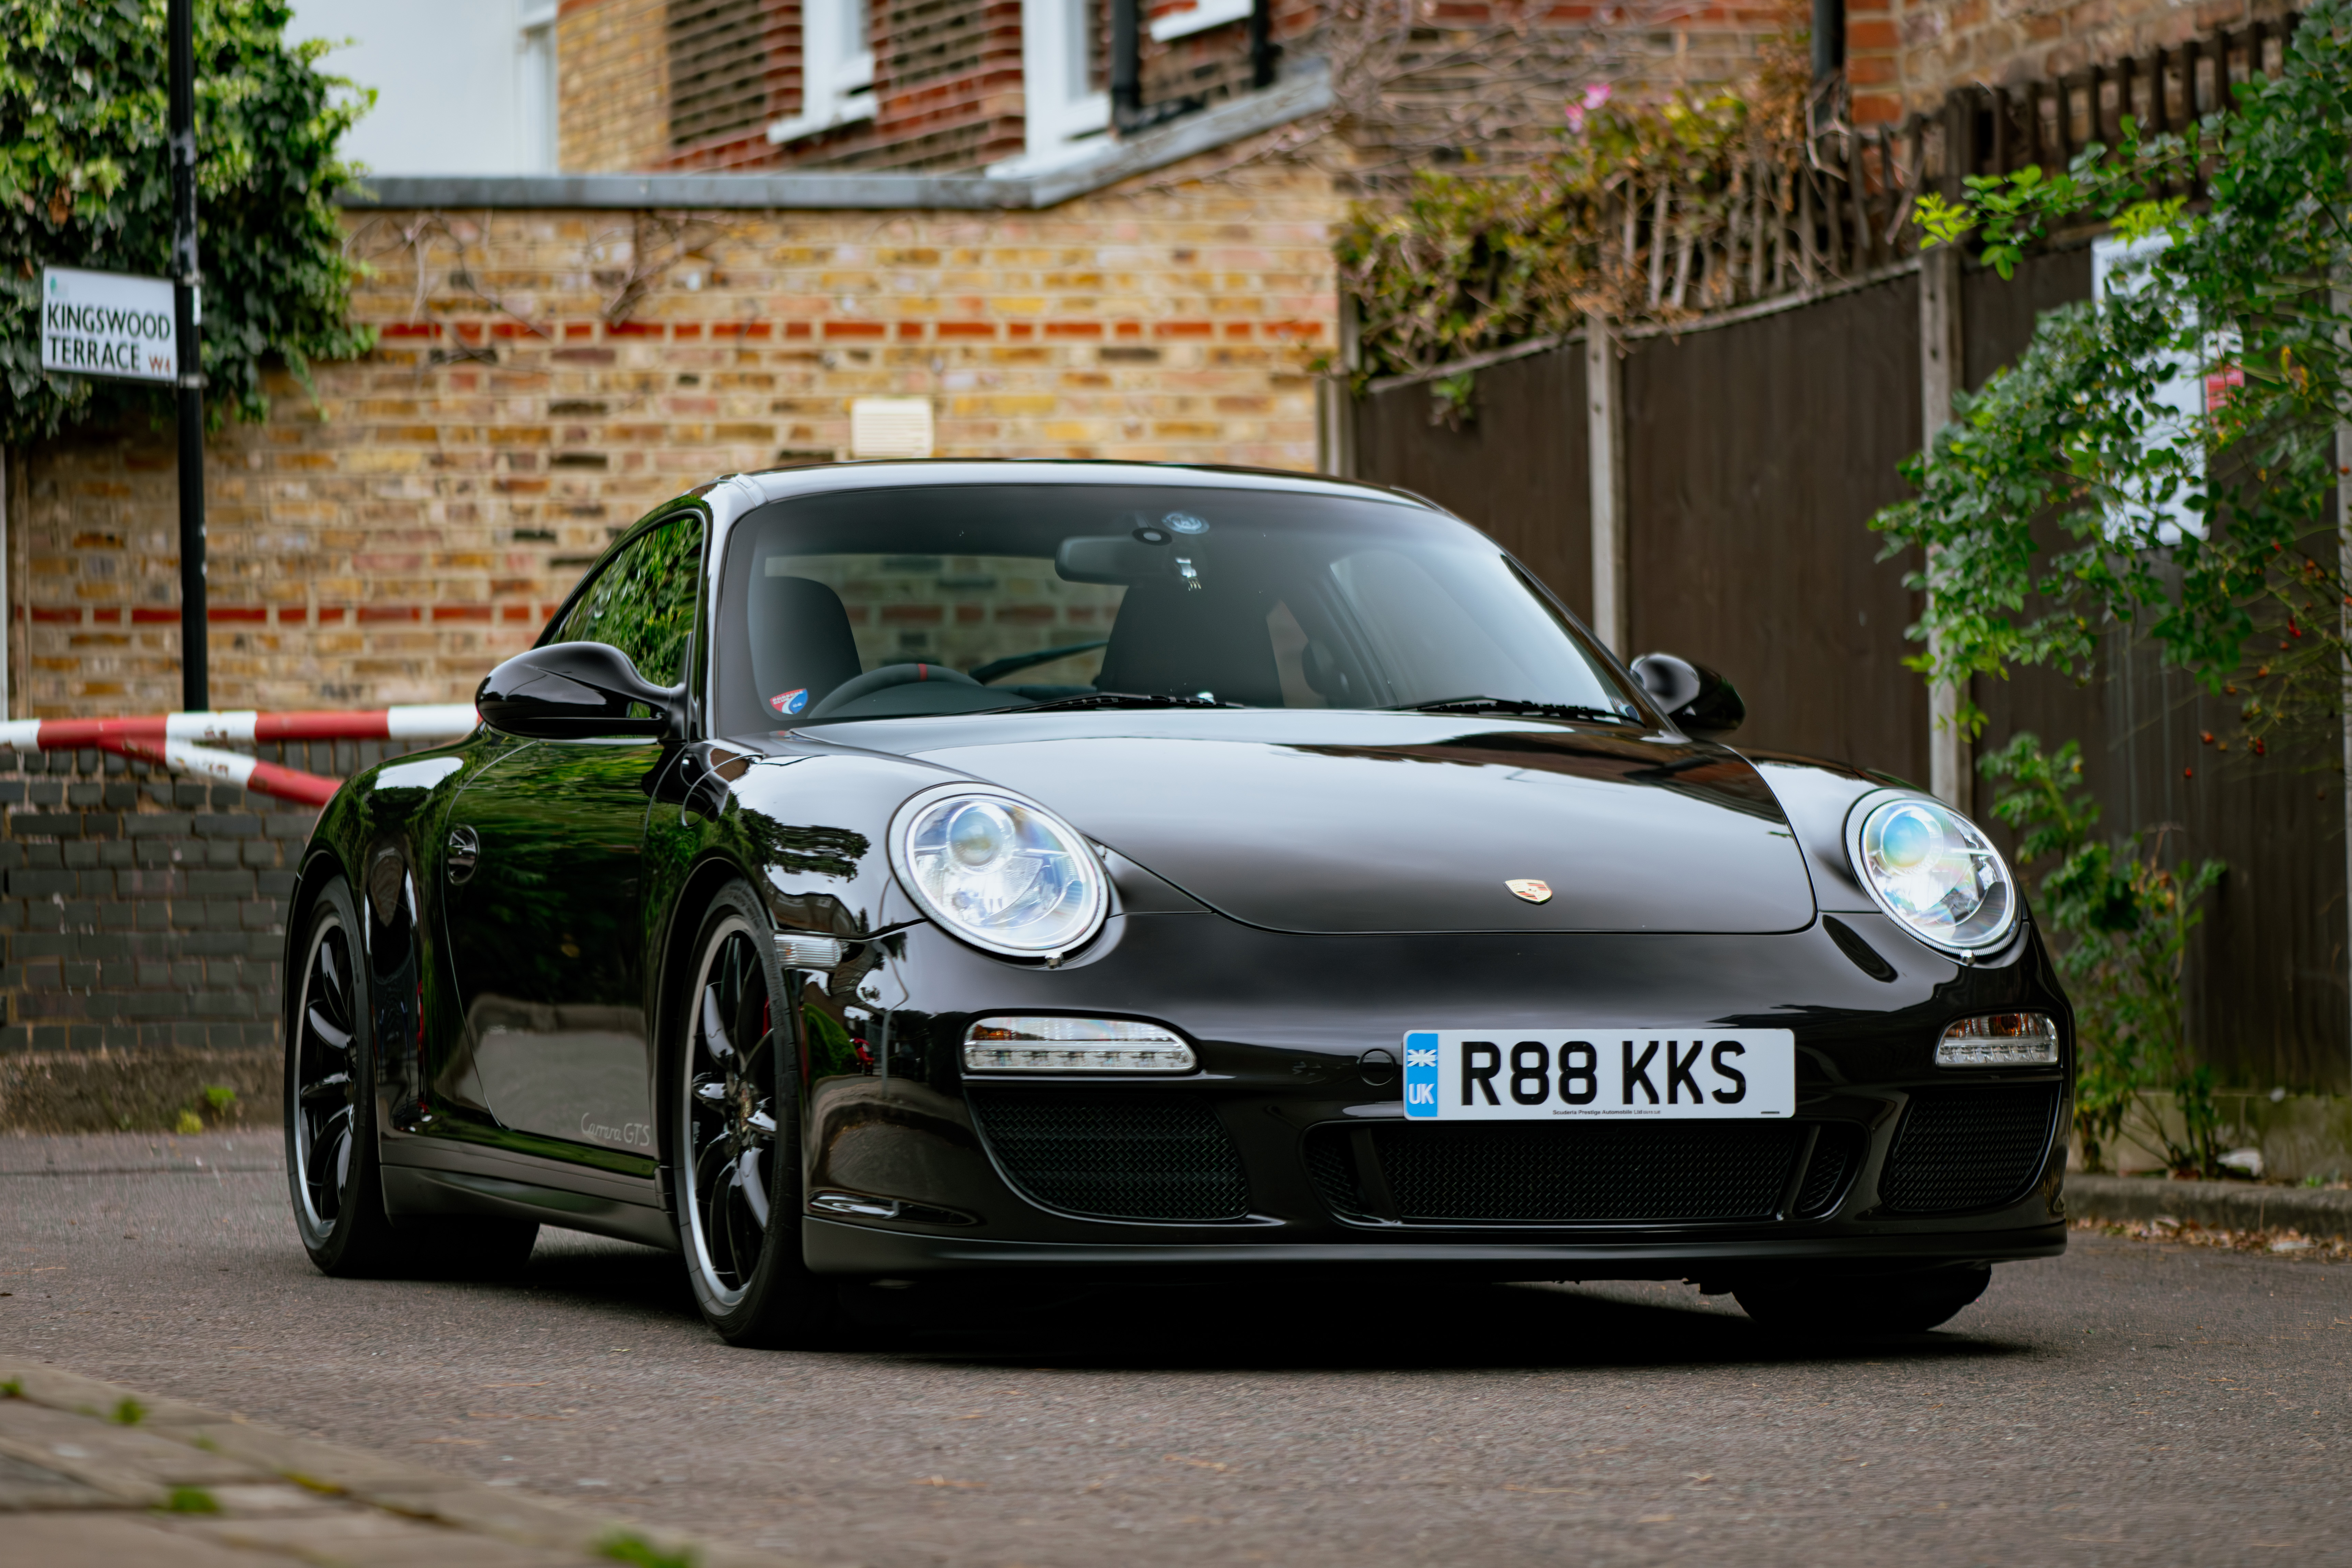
(107, 323)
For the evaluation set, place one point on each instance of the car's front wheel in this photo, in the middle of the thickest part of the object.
(1862, 1306)
(735, 1141)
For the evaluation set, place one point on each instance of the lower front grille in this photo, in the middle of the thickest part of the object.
(1155, 1157)
(1693, 1171)
(1962, 1149)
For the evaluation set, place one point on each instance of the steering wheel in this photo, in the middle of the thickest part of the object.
(881, 679)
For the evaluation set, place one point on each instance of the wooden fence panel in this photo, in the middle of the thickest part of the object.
(1756, 455)
(1515, 468)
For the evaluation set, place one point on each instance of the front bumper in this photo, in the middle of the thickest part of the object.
(913, 1166)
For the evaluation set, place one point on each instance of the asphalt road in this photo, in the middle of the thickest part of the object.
(2126, 1404)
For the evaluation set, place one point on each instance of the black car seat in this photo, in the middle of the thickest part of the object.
(801, 647)
(1174, 641)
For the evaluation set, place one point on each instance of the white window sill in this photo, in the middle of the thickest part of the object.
(1204, 15)
(800, 127)
(1053, 160)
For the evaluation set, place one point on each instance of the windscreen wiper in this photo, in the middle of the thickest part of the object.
(1513, 705)
(1128, 700)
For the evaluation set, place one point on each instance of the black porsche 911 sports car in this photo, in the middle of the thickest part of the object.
(1115, 869)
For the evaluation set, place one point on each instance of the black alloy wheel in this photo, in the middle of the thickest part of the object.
(736, 1149)
(330, 1153)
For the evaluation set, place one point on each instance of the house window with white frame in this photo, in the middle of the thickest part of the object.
(1065, 113)
(1196, 17)
(836, 69)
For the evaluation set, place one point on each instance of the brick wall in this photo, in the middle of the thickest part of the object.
(613, 85)
(1903, 55)
(392, 541)
(140, 911)
(141, 933)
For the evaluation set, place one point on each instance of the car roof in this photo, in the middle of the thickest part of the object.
(777, 484)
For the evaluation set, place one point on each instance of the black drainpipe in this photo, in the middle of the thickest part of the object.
(1263, 51)
(1828, 38)
(1127, 62)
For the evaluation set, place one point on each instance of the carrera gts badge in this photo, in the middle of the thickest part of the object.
(1531, 890)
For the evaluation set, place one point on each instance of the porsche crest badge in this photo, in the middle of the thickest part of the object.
(1531, 890)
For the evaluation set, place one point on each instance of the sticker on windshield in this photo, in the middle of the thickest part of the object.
(789, 702)
(1185, 522)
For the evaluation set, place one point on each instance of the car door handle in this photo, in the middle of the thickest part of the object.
(464, 848)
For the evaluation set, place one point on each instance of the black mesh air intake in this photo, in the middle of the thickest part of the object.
(1163, 1157)
(1589, 1173)
(1837, 1157)
(1331, 1165)
(1962, 1149)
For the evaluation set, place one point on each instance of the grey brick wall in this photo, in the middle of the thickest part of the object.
(142, 910)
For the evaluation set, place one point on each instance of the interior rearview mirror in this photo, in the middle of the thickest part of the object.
(1700, 702)
(572, 690)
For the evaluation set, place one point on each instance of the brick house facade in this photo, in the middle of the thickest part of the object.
(1903, 55)
(419, 522)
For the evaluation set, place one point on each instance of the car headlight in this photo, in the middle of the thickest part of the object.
(998, 872)
(1935, 872)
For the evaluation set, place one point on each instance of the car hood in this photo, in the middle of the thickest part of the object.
(1361, 823)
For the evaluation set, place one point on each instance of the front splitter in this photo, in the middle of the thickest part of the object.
(831, 1246)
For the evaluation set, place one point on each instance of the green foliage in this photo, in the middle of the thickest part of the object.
(220, 1097)
(2075, 442)
(13, 1389)
(2123, 920)
(84, 181)
(128, 1413)
(625, 1546)
(191, 1499)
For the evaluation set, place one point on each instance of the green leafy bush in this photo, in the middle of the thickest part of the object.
(2076, 439)
(2122, 918)
(84, 181)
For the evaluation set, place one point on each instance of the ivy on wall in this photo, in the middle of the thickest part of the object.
(84, 181)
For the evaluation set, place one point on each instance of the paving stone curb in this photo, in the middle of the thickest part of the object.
(345, 1506)
(2216, 1206)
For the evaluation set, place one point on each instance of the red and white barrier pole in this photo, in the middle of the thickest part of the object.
(229, 767)
(422, 722)
(172, 739)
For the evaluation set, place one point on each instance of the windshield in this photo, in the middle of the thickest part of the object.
(885, 603)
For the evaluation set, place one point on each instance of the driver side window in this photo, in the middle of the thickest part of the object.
(643, 601)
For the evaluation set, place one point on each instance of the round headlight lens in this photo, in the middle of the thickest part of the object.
(1000, 873)
(1932, 869)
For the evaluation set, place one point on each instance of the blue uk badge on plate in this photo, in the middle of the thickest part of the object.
(1420, 1075)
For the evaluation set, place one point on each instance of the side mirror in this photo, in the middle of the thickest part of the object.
(574, 689)
(1695, 697)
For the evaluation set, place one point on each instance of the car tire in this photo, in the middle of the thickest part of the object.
(734, 1144)
(1863, 1306)
(336, 1182)
(332, 1166)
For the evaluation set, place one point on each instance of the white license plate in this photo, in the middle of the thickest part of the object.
(1522, 1075)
